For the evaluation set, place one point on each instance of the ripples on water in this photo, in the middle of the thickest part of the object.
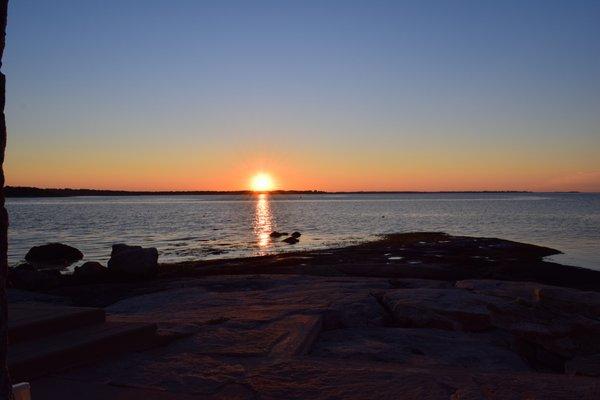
(201, 227)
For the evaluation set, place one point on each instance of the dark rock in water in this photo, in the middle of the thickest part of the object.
(133, 260)
(90, 270)
(296, 234)
(291, 240)
(276, 234)
(27, 276)
(53, 254)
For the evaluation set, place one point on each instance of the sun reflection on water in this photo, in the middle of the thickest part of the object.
(263, 222)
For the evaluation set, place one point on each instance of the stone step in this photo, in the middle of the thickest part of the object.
(29, 321)
(27, 360)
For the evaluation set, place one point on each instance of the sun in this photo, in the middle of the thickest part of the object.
(262, 182)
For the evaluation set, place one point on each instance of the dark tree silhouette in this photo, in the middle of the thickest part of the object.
(5, 387)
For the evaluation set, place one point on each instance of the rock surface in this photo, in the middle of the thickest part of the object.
(411, 316)
(450, 309)
(421, 348)
(53, 254)
(255, 336)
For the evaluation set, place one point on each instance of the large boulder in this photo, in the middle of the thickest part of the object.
(53, 254)
(133, 260)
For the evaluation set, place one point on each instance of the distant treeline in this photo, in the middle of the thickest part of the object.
(20, 191)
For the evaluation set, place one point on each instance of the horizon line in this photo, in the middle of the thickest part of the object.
(31, 191)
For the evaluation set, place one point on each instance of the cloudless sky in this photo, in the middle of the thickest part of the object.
(331, 95)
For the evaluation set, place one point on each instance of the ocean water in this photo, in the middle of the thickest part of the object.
(205, 227)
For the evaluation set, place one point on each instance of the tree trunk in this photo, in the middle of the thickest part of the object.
(5, 386)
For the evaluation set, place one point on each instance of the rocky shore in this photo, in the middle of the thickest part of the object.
(411, 316)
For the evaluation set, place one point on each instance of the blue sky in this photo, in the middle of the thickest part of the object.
(339, 95)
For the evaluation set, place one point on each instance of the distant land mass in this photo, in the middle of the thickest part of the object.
(22, 191)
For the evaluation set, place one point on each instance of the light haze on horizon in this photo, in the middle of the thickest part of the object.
(327, 95)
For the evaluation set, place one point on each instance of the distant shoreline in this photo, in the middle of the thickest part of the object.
(21, 191)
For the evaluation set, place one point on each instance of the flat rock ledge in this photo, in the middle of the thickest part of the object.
(323, 328)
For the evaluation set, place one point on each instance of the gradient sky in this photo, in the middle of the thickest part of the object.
(331, 95)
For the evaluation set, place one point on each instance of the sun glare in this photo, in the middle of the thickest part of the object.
(261, 182)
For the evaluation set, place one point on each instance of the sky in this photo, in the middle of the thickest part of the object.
(325, 95)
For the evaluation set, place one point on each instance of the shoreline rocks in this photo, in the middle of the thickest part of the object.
(53, 254)
(358, 322)
(27, 276)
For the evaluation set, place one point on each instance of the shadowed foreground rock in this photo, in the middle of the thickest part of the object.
(133, 260)
(91, 271)
(316, 331)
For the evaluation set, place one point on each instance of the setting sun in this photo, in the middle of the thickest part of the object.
(261, 182)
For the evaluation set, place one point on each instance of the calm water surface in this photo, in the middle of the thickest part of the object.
(200, 227)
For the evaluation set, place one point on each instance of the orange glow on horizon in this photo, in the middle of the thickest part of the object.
(262, 182)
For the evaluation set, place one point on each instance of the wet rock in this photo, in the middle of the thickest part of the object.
(133, 260)
(91, 270)
(276, 234)
(53, 254)
(296, 234)
(291, 240)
